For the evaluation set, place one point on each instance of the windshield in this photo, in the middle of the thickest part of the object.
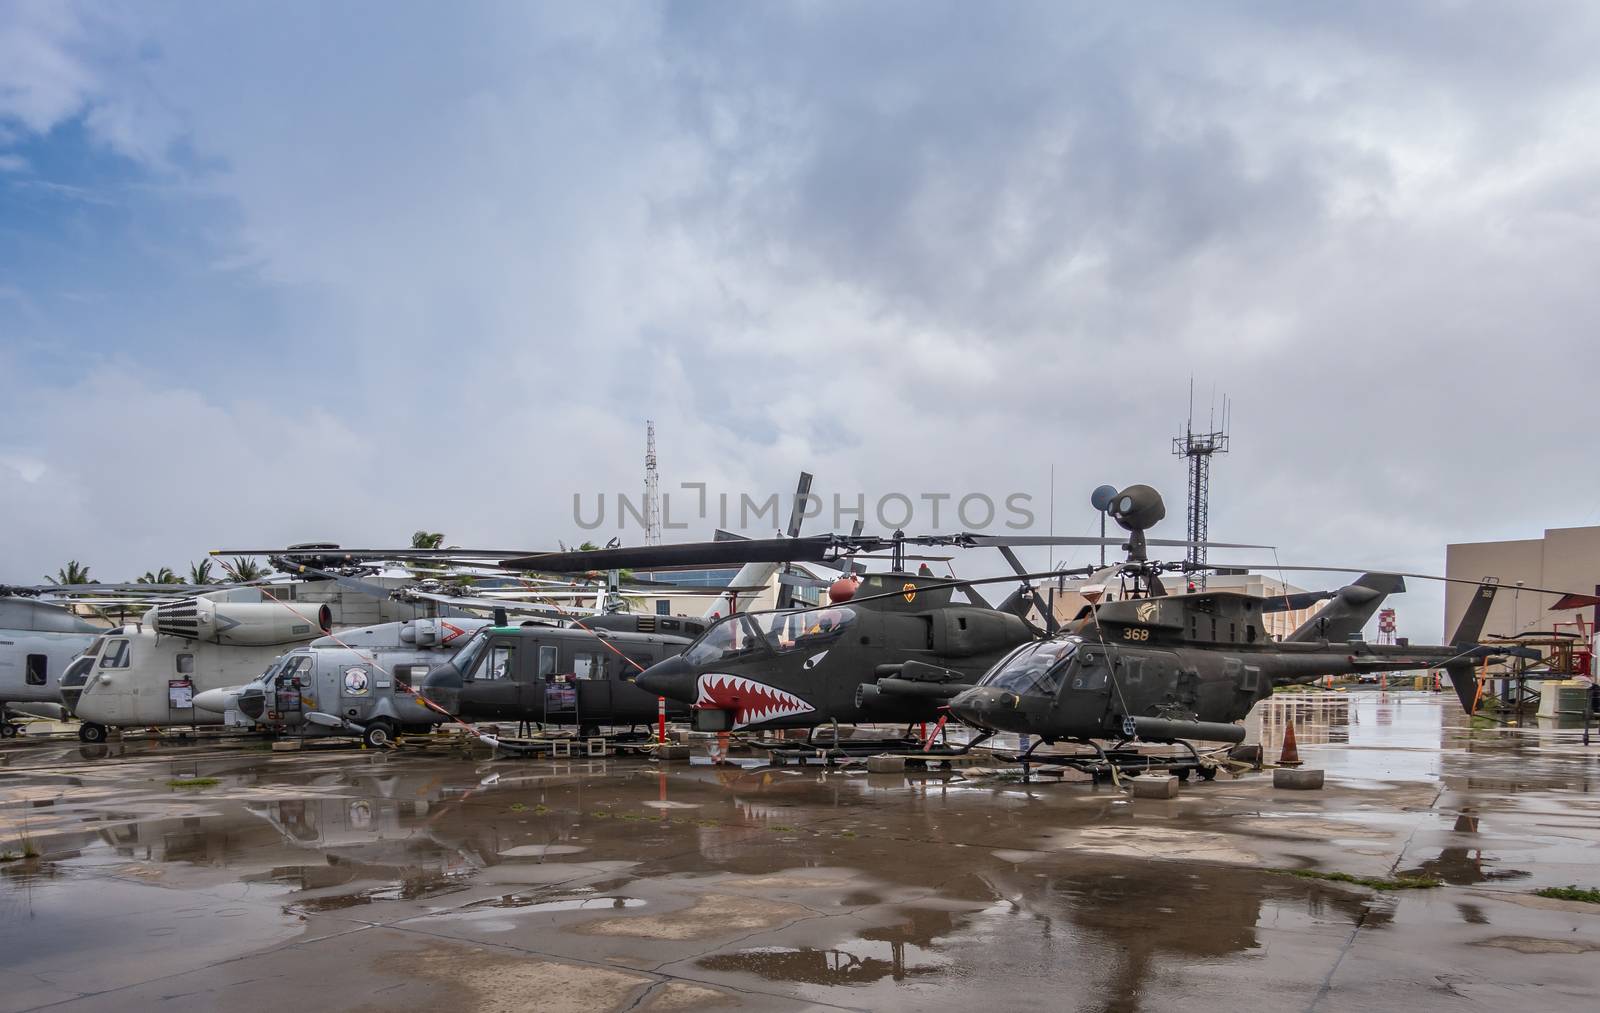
(466, 658)
(75, 672)
(295, 667)
(116, 655)
(775, 632)
(1034, 668)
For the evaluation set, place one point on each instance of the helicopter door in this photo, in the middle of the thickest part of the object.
(289, 683)
(559, 704)
(492, 689)
(1144, 682)
(589, 668)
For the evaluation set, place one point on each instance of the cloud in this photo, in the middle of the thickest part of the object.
(909, 247)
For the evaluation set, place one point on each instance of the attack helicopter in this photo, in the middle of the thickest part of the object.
(800, 668)
(1169, 668)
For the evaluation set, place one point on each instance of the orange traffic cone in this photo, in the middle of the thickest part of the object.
(1290, 757)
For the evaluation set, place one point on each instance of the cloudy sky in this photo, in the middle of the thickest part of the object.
(275, 273)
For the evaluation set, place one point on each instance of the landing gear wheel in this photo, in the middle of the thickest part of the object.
(379, 735)
(1183, 775)
(1208, 773)
(91, 732)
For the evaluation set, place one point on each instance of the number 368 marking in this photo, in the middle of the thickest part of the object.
(1135, 633)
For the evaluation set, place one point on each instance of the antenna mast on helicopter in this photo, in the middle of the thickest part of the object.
(1198, 448)
(652, 488)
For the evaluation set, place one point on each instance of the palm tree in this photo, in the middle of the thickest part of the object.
(427, 539)
(245, 569)
(161, 576)
(200, 573)
(73, 573)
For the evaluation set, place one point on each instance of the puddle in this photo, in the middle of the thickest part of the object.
(540, 850)
(709, 916)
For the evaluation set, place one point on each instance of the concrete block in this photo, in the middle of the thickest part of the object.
(886, 764)
(1299, 778)
(672, 753)
(286, 746)
(1154, 786)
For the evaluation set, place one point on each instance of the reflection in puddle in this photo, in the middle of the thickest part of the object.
(403, 890)
(527, 902)
(901, 950)
(822, 967)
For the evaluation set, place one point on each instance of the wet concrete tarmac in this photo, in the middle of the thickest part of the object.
(366, 881)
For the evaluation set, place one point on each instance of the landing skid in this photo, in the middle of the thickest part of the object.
(834, 748)
(1120, 761)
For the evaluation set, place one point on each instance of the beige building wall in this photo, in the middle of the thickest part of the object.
(1566, 559)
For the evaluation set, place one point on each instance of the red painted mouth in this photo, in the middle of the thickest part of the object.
(751, 702)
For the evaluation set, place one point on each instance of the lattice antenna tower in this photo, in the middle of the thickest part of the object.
(1199, 449)
(652, 488)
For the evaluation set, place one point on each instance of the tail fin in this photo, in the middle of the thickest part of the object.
(1465, 681)
(1347, 614)
(1463, 675)
(1477, 613)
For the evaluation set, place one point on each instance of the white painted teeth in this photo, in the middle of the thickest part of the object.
(752, 702)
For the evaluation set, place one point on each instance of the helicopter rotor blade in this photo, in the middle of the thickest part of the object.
(1045, 612)
(808, 549)
(997, 541)
(1268, 567)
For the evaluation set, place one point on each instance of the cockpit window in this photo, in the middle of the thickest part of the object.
(296, 666)
(467, 658)
(75, 672)
(800, 630)
(116, 655)
(775, 632)
(1034, 668)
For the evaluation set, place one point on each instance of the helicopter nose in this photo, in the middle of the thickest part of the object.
(673, 678)
(442, 686)
(986, 707)
(214, 701)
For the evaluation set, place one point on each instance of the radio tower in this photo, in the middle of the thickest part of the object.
(652, 489)
(1198, 448)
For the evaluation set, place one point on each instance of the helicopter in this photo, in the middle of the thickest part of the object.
(38, 640)
(1157, 667)
(801, 668)
(574, 673)
(42, 632)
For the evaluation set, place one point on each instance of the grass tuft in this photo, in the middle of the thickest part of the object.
(1371, 882)
(1577, 893)
(193, 782)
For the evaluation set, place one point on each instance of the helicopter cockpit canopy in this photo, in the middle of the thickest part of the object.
(1034, 668)
(780, 632)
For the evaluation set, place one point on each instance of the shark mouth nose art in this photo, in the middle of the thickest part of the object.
(751, 702)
